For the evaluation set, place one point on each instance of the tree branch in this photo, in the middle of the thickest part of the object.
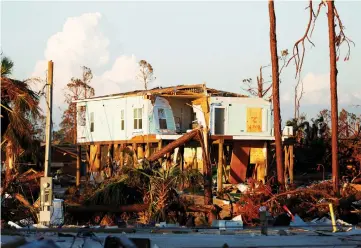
(341, 37)
(296, 54)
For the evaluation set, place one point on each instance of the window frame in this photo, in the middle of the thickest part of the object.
(163, 117)
(82, 116)
(92, 125)
(138, 120)
(122, 120)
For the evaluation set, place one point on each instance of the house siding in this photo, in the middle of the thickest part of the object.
(236, 115)
(107, 118)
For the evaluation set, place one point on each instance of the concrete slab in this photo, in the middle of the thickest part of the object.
(250, 239)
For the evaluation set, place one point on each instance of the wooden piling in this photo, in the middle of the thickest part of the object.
(220, 167)
(135, 157)
(290, 154)
(78, 164)
(160, 146)
(147, 150)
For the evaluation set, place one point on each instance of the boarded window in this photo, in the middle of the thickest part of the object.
(92, 122)
(81, 116)
(162, 119)
(138, 118)
(254, 120)
(122, 124)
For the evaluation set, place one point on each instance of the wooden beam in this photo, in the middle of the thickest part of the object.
(220, 167)
(174, 144)
(195, 96)
(223, 137)
(140, 139)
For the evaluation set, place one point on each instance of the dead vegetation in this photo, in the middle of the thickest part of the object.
(144, 195)
(307, 202)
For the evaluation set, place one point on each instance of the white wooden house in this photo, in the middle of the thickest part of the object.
(152, 118)
(158, 113)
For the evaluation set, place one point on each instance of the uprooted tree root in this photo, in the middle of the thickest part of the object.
(308, 203)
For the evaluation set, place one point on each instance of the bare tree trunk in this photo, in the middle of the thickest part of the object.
(9, 163)
(333, 86)
(260, 83)
(275, 93)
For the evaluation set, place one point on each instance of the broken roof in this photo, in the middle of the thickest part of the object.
(191, 90)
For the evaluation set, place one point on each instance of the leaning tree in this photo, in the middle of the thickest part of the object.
(19, 109)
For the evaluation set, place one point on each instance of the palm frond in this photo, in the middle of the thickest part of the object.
(18, 94)
(115, 192)
(20, 105)
(6, 66)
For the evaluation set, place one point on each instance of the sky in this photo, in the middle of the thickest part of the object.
(217, 43)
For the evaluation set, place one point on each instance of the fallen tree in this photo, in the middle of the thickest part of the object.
(135, 208)
(309, 202)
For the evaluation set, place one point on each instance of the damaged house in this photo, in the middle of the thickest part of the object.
(240, 128)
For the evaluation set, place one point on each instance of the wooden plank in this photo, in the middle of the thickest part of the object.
(223, 137)
(143, 138)
(257, 155)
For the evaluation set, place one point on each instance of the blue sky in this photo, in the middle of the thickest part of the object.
(219, 43)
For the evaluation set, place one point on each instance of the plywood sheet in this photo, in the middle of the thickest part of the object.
(257, 155)
(190, 157)
(239, 163)
(94, 158)
(254, 120)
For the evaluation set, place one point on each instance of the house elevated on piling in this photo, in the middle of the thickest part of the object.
(240, 128)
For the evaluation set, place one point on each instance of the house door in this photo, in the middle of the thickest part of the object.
(219, 120)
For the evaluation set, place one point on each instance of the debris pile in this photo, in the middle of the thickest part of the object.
(307, 202)
(18, 193)
(138, 195)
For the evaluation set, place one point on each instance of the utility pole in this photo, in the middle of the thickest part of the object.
(46, 182)
(49, 101)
